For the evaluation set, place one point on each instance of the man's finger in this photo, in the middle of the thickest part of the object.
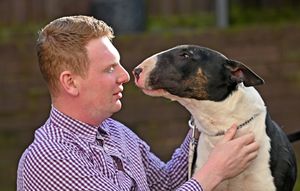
(230, 133)
(252, 147)
(247, 138)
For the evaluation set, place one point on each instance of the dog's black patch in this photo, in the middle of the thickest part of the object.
(197, 72)
(283, 160)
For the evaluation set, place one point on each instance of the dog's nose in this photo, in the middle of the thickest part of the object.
(137, 72)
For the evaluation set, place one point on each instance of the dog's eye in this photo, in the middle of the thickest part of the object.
(185, 55)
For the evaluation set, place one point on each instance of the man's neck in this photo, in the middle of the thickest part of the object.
(76, 111)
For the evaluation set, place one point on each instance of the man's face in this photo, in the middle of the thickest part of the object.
(101, 89)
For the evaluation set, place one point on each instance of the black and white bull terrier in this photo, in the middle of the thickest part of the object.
(218, 92)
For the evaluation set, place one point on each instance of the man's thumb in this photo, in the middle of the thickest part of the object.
(230, 133)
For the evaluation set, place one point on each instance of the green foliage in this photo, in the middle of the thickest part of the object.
(252, 15)
(238, 15)
(17, 31)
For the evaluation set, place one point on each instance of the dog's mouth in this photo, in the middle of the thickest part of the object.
(141, 83)
(155, 93)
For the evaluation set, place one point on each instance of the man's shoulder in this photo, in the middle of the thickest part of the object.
(48, 146)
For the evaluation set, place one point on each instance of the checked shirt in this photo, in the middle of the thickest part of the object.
(67, 154)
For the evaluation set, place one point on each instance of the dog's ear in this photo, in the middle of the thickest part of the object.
(241, 73)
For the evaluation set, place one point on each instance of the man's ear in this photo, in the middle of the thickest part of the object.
(69, 83)
(241, 73)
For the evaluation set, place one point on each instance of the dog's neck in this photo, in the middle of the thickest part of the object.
(214, 117)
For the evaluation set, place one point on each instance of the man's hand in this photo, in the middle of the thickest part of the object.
(229, 158)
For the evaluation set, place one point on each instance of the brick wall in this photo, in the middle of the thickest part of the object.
(272, 52)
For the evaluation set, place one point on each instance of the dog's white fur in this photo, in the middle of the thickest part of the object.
(212, 117)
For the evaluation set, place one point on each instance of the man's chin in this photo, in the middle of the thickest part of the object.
(118, 106)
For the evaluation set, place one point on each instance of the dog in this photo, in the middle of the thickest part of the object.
(219, 92)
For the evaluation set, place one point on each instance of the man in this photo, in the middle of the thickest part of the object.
(81, 148)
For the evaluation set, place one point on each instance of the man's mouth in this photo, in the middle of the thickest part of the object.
(119, 95)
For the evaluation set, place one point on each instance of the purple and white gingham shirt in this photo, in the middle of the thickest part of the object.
(67, 154)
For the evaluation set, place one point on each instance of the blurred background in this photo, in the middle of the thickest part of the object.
(263, 34)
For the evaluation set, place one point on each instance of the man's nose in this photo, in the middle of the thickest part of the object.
(136, 72)
(124, 76)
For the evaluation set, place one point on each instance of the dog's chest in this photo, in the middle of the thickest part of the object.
(258, 176)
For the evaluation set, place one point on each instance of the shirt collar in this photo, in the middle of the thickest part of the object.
(76, 127)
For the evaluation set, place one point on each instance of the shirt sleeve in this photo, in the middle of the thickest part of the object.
(59, 169)
(172, 175)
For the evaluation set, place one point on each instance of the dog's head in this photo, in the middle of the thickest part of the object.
(192, 71)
